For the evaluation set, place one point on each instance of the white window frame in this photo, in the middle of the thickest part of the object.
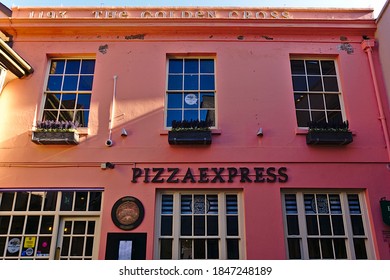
(167, 91)
(339, 93)
(3, 74)
(222, 231)
(348, 235)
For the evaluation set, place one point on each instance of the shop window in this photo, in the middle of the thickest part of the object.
(67, 96)
(326, 226)
(190, 93)
(199, 226)
(317, 92)
(33, 224)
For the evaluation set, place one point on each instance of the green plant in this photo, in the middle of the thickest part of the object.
(328, 127)
(191, 125)
(56, 126)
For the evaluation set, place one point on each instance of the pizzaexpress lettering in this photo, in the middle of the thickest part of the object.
(211, 175)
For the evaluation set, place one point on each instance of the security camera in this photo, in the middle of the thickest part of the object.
(109, 142)
(260, 132)
(106, 165)
(124, 132)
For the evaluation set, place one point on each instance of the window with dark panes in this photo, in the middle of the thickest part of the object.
(199, 226)
(191, 90)
(68, 90)
(325, 226)
(29, 221)
(317, 93)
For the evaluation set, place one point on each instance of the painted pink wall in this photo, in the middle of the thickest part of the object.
(254, 90)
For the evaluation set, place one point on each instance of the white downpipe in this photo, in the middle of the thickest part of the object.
(111, 122)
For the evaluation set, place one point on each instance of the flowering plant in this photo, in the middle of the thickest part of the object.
(191, 125)
(57, 126)
(328, 127)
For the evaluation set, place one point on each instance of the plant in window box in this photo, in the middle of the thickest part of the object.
(56, 133)
(322, 133)
(191, 132)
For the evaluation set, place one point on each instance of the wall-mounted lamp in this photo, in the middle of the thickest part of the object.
(108, 165)
(260, 132)
(385, 207)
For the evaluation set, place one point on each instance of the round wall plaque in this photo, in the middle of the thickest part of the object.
(127, 213)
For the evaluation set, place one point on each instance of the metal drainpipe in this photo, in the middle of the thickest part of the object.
(367, 46)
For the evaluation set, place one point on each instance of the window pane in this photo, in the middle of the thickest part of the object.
(166, 249)
(332, 102)
(186, 249)
(213, 204)
(232, 249)
(190, 115)
(303, 118)
(207, 100)
(186, 204)
(68, 101)
(54, 83)
(82, 117)
(212, 249)
(191, 100)
(294, 248)
(95, 201)
(66, 201)
(340, 248)
(360, 248)
(36, 202)
(72, 67)
(91, 227)
(310, 204)
(328, 67)
(191, 82)
(47, 225)
(86, 83)
(357, 225)
(338, 225)
(15, 243)
(292, 225)
(4, 225)
(89, 246)
(327, 249)
(175, 66)
(318, 116)
(199, 249)
(299, 83)
(191, 66)
(7, 200)
(335, 117)
(65, 246)
(325, 228)
(81, 201)
(297, 67)
(186, 225)
(175, 100)
(208, 115)
(311, 224)
(167, 204)
(212, 225)
(50, 201)
(315, 83)
(313, 67)
(88, 66)
(353, 203)
(207, 65)
(44, 243)
(316, 101)
(232, 225)
(77, 246)
(175, 82)
(199, 226)
(21, 201)
(32, 225)
(57, 67)
(70, 83)
(17, 224)
(173, 115)
(207, 82)
(301, 101)
(79, 227)
(68, 227)
(231, 204)
(314, 248)
(2, 245)
(330, 84)
(166, 225)
(199, 205)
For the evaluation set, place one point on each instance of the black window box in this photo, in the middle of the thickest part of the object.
(189, 137)
(329, 138)
(55, 138)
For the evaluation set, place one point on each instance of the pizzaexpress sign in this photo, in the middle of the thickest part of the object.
(210, 175)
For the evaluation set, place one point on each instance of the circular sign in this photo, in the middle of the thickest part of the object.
(127, 213)
(191, 99)
(13, 245)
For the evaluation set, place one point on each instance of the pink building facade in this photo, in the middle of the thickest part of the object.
(295, 164)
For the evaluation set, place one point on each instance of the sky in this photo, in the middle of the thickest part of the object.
(375, 4)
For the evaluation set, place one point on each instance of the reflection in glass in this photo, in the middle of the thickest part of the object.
(186, 249)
